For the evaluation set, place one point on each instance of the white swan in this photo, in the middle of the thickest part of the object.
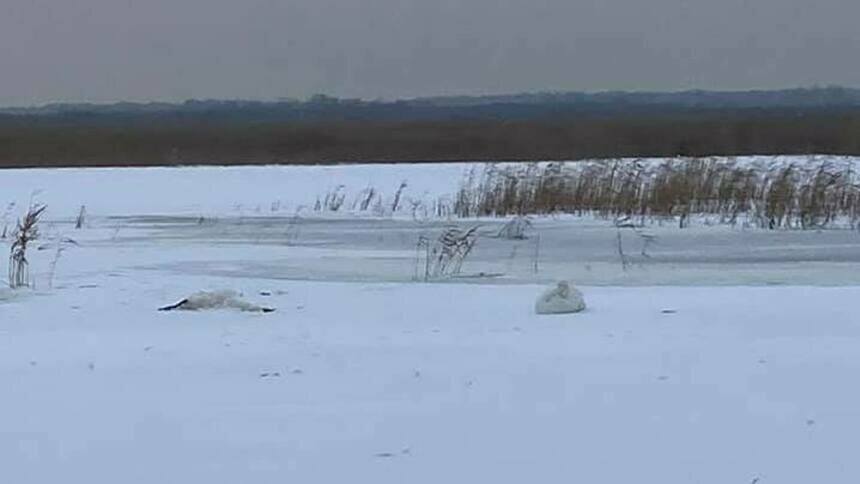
(561, 299)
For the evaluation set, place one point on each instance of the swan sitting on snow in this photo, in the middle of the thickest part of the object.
(561, 299)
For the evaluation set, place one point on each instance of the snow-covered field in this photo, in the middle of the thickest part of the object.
(723, 355)
(261, 190)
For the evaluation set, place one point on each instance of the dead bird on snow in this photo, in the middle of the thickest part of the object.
(206, 300)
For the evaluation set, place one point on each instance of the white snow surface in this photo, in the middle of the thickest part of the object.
(260, 190)
(429, 383)
(727, 355)
(209, 190)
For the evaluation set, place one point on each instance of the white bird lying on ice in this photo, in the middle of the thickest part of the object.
(561, 299)
(216, 300)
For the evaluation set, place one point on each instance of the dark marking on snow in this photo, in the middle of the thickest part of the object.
(810, 422)
(662, 377)
(762, 361)
(669, 311)
(297, 371)
(265, 293)
(270, 374)
(416, 374)
(33, 363)
(88, 286)
(171, 307)
(148, 348)
(755, 481)
(389, 455)
(91, 366)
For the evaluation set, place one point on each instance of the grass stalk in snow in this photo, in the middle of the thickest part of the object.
(445, 256)
(26, 231)
(397, 196)
(82, 216)
(809, 195)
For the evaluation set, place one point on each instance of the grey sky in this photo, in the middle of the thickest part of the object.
(106, 50)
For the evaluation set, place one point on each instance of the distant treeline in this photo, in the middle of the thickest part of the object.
(522, 127)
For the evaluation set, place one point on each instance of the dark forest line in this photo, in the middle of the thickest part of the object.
(213, 141)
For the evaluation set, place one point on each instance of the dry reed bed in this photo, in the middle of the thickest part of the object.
(815, 193)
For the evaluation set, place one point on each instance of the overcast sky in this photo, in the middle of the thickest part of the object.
(107, 50)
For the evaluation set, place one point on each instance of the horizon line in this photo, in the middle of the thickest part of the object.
(441, 97)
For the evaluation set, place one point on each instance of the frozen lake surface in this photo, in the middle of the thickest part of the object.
(721, 355)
